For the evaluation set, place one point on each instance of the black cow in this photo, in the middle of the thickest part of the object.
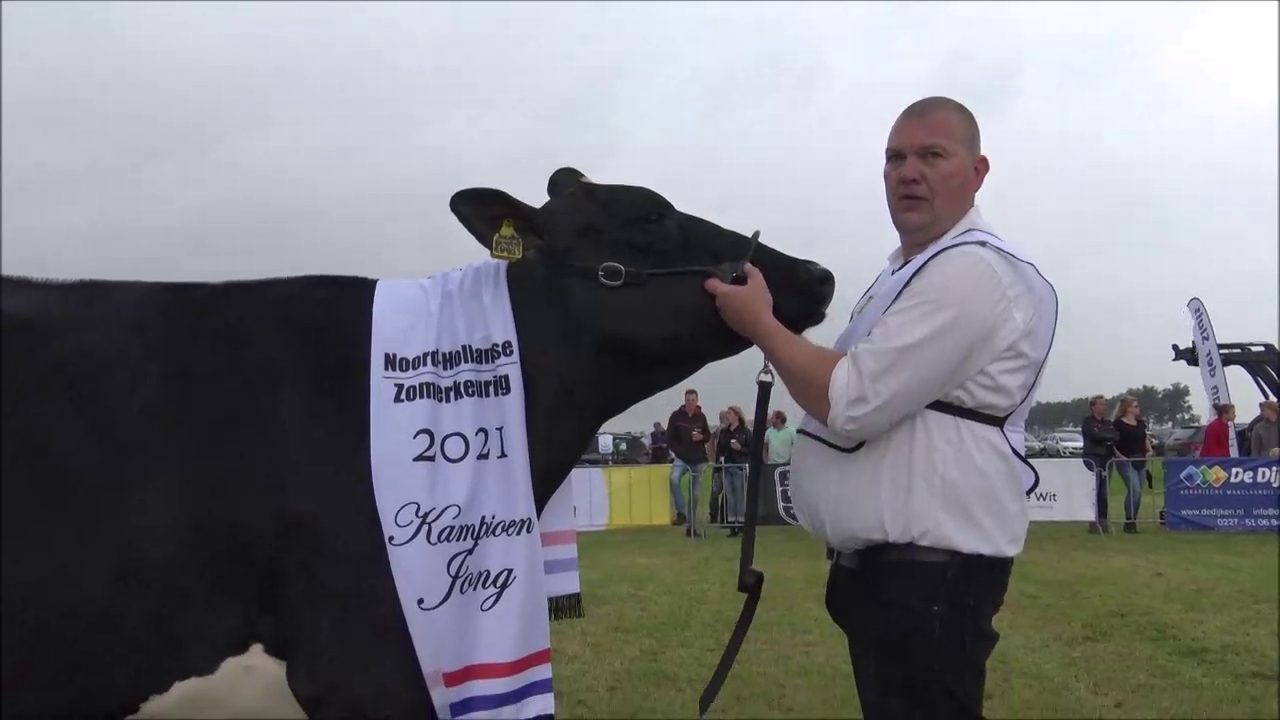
(186, 465)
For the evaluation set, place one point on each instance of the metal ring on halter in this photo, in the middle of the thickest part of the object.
(605, 281)
(765, 374)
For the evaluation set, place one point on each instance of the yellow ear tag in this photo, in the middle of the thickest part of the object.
(507, 245)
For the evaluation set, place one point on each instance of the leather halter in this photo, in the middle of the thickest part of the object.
(750, 580)
(612, 274)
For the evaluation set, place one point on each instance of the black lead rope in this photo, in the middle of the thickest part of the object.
(750, 580)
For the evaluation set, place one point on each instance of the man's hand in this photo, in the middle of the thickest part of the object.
(746, 308)
(734, 444)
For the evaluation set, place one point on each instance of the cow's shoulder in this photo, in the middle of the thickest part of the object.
(191, 319)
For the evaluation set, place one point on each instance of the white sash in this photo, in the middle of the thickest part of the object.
(451, 477)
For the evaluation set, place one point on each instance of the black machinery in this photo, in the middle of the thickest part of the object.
(1260, 360)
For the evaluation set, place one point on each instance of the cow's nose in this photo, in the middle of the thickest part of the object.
(822, 281)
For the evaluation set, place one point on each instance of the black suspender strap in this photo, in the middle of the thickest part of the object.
(969, 414)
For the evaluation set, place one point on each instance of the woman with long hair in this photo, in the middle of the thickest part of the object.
(1132, 448)
(735, 448)
(717, 514)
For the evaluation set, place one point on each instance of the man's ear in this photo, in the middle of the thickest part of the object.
(492, 215)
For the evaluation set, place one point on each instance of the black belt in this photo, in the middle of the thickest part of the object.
(890, 552)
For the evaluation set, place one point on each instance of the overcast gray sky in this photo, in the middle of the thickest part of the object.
(1133, 147)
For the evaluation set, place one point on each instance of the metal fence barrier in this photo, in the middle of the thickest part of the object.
(616, 495)
(642, 495)
(1135, 491)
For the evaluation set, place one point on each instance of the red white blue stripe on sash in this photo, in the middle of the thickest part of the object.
(560, 551)
(497, 685)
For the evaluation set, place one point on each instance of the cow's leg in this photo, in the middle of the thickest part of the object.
(339, 626)
(345, 658)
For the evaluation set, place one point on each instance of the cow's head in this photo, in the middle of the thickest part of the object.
(653, 331)
(585, 225)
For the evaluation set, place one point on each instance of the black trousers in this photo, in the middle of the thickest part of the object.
(919, 631)
(1101, 484)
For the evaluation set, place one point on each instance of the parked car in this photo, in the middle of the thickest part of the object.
(1034, 448)
(1160, 436)
(627, 450)
(1186, 441)
(1064, 444)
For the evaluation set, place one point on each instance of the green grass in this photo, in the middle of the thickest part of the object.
(1152, 625)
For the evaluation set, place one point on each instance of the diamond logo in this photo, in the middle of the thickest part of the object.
(1190, 476)
(1203, 476)
(1217, 476)
(1206, 477)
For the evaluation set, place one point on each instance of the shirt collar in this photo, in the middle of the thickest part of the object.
(972, 220)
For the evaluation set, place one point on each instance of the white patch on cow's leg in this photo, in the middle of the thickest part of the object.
(251, 685)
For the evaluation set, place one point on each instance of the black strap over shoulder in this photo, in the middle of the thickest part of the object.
(964, 413)
(941, 406)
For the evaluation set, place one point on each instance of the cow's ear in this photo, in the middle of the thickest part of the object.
(502, 224)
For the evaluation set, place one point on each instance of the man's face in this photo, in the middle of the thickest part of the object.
(1269, 415)
(1099, 408)
(691, 402)
(930, 175)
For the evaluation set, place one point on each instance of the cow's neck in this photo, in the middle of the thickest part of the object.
(572, 386)
(559, 408)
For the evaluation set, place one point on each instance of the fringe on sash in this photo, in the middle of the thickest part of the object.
(565, 607)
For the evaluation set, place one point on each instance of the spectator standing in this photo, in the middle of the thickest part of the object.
(1132, 447)
(716, 511)
(687, 435)
(1099, 448)
(658, 445)
(734, 446)
(1217, 433)
(1246, 446)
(1264, 441)
(778, 439)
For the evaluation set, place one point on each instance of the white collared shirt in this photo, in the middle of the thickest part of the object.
(969, 328)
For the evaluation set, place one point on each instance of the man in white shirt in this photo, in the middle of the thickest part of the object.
(909, 462)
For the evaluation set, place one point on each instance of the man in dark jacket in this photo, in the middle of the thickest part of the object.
(687, 436)
(1099, 448)
(658, 445)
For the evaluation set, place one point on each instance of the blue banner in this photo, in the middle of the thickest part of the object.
(1239, 494)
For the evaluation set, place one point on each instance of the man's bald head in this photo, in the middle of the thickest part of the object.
(938, 104)
(933, 170)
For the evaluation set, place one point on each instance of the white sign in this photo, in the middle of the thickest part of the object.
(590, 498)
(1065, 493)
(604, 442)
(1212, 372)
